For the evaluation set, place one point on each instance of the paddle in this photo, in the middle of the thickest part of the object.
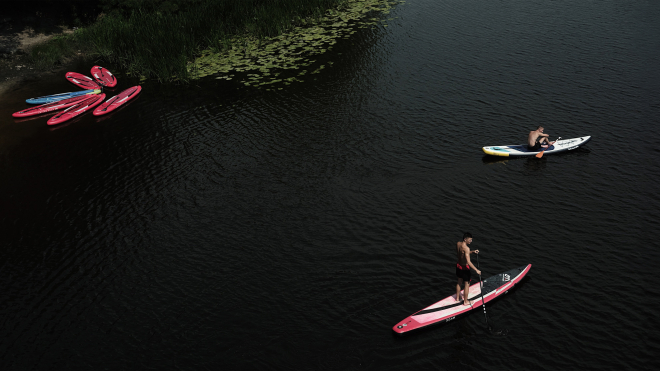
(483, 303)
(540, 154)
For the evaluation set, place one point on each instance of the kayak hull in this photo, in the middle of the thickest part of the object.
(104, 77)
(521, 150)
(448, 309)
(82, 81)
(77, 110)
(117, 101)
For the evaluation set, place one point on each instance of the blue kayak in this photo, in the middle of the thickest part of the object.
(59, 97)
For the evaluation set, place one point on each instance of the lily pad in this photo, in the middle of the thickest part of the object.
(289, 50)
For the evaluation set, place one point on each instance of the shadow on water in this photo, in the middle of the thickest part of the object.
(490, 160)
(530, 163)
(535, 164)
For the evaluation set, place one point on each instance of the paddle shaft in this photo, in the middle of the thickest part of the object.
(540, 154)
(483, 303)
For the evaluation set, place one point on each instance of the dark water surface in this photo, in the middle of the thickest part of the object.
(211, 227)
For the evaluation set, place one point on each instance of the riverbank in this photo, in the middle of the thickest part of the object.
(15, 67)
(24, 26)
(271, 35)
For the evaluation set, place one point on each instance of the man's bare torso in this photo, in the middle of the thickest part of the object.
(531, 139)
(461, 252)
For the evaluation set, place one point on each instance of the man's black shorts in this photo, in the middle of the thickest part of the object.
(464, 274)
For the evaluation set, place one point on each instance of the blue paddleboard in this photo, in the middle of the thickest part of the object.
(58, 97)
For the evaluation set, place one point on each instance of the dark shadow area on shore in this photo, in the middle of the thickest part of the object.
(47, 18)
(27, 23)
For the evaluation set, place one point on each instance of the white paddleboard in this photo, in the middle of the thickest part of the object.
(521, 150)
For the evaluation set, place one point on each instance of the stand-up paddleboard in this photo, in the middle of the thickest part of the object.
(104, 77)
(78, 109)
(49, 107)
(449, 309)
(118, 100)
(521, 150)
(57, 97)
(82, 81)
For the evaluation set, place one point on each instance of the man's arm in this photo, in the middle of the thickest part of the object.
(469, 262)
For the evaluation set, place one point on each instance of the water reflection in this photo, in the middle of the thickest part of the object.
(535, 164)
(490, 160)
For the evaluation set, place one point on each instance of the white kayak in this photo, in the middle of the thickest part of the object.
(521, 150)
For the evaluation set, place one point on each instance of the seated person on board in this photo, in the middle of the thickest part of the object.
(537, 140)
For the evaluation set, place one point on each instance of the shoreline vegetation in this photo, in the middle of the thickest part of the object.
(183, 40)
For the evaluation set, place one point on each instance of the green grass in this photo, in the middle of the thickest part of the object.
(53, 52)
(161, 46)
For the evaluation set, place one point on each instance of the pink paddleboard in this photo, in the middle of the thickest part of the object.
(78, 109)
(49, 107)
(448, 309)
(118, 100)
(82, 81)
(104, 77)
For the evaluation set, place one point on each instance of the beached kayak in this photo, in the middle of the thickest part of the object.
(76, 110)
(104, 77)
(521, 150)
(448, 309)
(50, 107)
(57, 97)
(117, 101)
(82, 81)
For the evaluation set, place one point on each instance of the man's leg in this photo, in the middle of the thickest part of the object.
(466, 293)
(458, 289)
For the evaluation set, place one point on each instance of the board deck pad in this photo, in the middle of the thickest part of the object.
(76, 110)
(521, 150)
(117, 101)
(82, 81)
(104, 77)
(448, 308)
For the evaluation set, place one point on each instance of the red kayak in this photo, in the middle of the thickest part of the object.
(117, 101)
(104, 77)
(448, 309)
(49, 107)
(82, 81)
(76, 110)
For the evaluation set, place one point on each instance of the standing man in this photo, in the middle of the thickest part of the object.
(536, 139)
(463, 268)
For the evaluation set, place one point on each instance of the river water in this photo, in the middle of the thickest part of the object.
(221, 227)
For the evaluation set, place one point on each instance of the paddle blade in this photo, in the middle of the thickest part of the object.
(540, 154)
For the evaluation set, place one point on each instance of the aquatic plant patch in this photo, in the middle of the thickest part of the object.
(267, 58)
